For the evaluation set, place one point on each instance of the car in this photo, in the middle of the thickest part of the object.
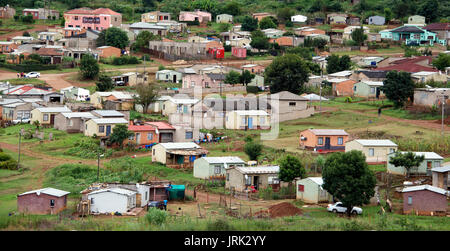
(157, 204)
(120, 83)
(19, 121)
(338, 207)
(32, 75)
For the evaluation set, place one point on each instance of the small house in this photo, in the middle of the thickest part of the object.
(155, 16)
(253, 68)
(374, 37)
(46, 115)
(169, 76)
(109, 51)
(42, 201)
(363, 75)
(157, 30)
(425, 200)
(243, 179)
(337, 18)
(240, 42)
(156, 106)
(166, 131)
(425, 76)
(350, 29)
(72, 122)
(75, 93)
(17, 111)
(142, 191)
(102, 126)
(368, 89)
(289, 105)
(375, 150)
(341, 74)
(376, 20)
(440, 177)
(343, 88)
(224, 18)
(144, 135)
(207, 167)
(177, 155)
(273, 33)
(7, 47)
(324, 140)
(247, 119)
(111, 200)
(261, 15)
(431, 96)
(310, 190)
(416, 20)
(178, 105)
(432, 160)
(299, 19)
(98, 98)
(413, 35)
(197, 15)
(386, 34)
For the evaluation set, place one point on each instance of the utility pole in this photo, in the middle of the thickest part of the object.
(18, 159)
(444, 97)
(320, 89)
(98, 165)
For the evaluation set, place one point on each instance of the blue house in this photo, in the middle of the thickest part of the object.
(413, 35)
(376, 20)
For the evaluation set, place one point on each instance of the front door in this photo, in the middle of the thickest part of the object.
(174, 78)
(327, 143)
(138, 138)
(250, 123)
(52, 119)
(108, 130)
(378, 93)
(255, 182)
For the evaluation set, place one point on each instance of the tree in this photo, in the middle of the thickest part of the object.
(233, 8)
(249, 24)
(253, 150)
(267, 23)
(347, 177)
(26, 34)
(287, 73)
(119, 134)
(89, 67)
(429, 9)
(116, 37)
(143, 39)
(337, 64)
(147, 94)
(260, 43)
(304, 52)
(388, 15)
(407, 160)
(104, 83)
(358, 36)
(232, 78)
(442, 61)
(246, 77)
(284, 14)
(291, 168)
(398, 87)
(101, 39)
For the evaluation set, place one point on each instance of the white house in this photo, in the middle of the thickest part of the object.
(111, 200)
(310, 190)
(298, 19)
(206, 167)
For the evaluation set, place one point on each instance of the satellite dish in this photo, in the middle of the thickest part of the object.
(246, 176)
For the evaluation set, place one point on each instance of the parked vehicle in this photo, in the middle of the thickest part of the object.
(157, 204)
(120, 83)
(18, 121)
(32, 75)
(338, 207)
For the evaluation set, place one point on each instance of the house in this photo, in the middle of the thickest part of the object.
(7, 12)
(353, 20)
(111, 200)
(425, 76)
(262, 15)
(42, 201)
(324, 140)
(41, 13)
(299, 19)
(7, 47)
(442, 31)
(425, 200)
(224, 18)
(432, 160)
(72, 122)
(177, 155)
(102, 127)
(416, 20)
(247, 119)
(303, 31)
(283, 41)
(413, 35)
(273, 33)
(440, 176)
(130, 79)
(375, 150)
(368, 89)
(343, 88)
(207, 167)
(208, 80)
(347, 35)
(49, 36)
(341, 74)
(337, 18)
(197, 15)
(155, 16)
(310, 190)
(318, 36)
(242, 179)
(374, 37)
(178, 105)
(169, 76)
(144, 135)
(240, 42)
(155, 107)
(22, 39)
(239, 52)
(230, 35)
(98, 19)
(75, 93)
(166, 131)
(431, 96)
(253, 68)
(17, 111)
(109, 51)
(98, 98)
(289, 106)
(179, 50)
(54, 56)
(157, 30)
(386, 34)
(365, 75)
(376, 20)
(46, 115)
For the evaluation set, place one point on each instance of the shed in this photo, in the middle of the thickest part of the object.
(298, 19)
(102, 126)
(376, 20)
(425, 200)
(176, 192)
(224, 18)
(241, 179)
(169, 76)
(324, 140)
(42, 201)
(310, 190)
(111, 200)
(368, 89)
(177, 155)
(207, 167)
(46, 115)
(441, 177)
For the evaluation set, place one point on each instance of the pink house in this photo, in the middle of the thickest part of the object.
(200, 16)
(208, 80)
(98, 19)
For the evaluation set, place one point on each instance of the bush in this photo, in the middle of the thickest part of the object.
(253, 150)
(156, 216)
(125, 60)
(88, 149)
(219, 225)
(252, 89)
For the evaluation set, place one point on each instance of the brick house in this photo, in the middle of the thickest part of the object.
(253, 68)
(424, 200)
(324, 140)
(197, 15)
(344, 88)
(441, 29)
(144, 135)
(41, 13)
(155, 16)
(54, 55)
(262, 15)
(109, 51)
(42, 201)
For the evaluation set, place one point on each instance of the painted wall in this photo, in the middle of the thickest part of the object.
(109, 202)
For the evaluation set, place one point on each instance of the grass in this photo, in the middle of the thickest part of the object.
(405, 114)
(26, 81)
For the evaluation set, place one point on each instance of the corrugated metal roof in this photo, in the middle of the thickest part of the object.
(341, 74)
(258, 169)
(14, 104)
(375, 142)
(183, 100)
(328, 132)
(49, 191)
(109, 113)
(425, 187)
(317, 180)
(227, 159)
(111, 121)
(373, 83)
(441, 169)
(428, 155)
(115, 190)
(184, 145)
(78, 115)
(54, 109)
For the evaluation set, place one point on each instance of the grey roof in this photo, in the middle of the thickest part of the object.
(185, 145)
(375, 142)
(258, 169)
(234, 104)
(14, 104)
(142, 25)
(425, 187)
(78, 115)
(374, 74)
(53, 109)
(49, 191)
(408, 28)
(441, 169)
(216, 76)
(285, 95)
(117, 190)
(109, 113)
(427, 155)
(227, 159)
(331, 132)
(110, 121)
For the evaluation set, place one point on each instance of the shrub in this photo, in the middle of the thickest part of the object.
(125, 60)
(253, 150)
(156, 216)
(219, 225)
(252, 89)
(88, 149)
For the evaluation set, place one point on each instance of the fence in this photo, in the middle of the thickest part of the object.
(174, 57)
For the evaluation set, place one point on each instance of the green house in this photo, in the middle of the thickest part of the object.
(207, 167)
(431, 160)
(413, 35)
(368, 89)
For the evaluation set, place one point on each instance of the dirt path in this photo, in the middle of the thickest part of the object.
(37, 27)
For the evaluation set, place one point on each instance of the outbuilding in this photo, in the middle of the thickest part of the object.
(368, 89)
(177, 155)
(224, 18)
(242, 179)
(310, 190)
(102, 126)
(111, 200)
(425, 200)
(46, 115)
(207, 167)
(42, 201)
(324, 140)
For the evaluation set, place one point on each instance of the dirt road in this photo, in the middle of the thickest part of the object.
(37, 27)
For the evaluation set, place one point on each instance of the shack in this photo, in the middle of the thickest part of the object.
(42, 201)
(244, 179)
(177, 155)
(310, 190)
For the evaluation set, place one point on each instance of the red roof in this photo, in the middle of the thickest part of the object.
(87, 11)
(408, 67)
(106, 11)
(49, 52)
(437, 26)
(413, 60)
(136, 128)
(161, 125)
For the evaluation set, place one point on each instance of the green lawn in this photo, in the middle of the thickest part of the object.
(26, 81)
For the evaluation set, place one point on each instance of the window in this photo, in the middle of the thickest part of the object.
(437, 164)
(416, 36)
(131, 137)
(354, 88)
(92, 201)
(410, 200)
(70, 122)
(76, 17)
(262, 120)
(52, 203)
(292, 103)
(228, 177)
(217, 169)
(146, 195)
(391, 150)
(371, 152)
(19, 115)
(149, 136)
(189, 135)
(248, 181)
(301, 188)
(101, 129)
(45, 117)
(340, 140)
(372, 89)
(243, 120)
(320, 141)
(154, 152)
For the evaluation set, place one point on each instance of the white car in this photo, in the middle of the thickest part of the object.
(338, 207)
(18, 121)
(32, 75)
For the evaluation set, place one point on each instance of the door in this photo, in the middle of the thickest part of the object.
(378, 93)
(138, 138)
(52, 119)
(138, 199)
(327, 143)
(255, 182)
(108, 130)
(166, 137)
(250, 123)
(174, 78)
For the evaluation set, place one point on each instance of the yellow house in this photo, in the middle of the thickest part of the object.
(103, 126)
(98, 98)
(250, 119)
(375, 150)
(46, 115)
(178, 105)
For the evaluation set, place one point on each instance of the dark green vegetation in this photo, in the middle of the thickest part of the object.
(286, 73)
(398, 87)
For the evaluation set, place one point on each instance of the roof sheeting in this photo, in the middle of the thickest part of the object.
(78, 115)
(116, 190)
(427, 155)
(109, 113)
(425, 187)
(258, 169)
(252, 112)
(227, 159)
(314, 97)
(54, 109)
(110, 121)
(49, 191)
(375, 142)
(441, 169)
(331, 132)
(185, 145)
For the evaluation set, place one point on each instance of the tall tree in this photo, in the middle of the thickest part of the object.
(442, 61)
(246, 77)
(337, 64)
(291, 168)
(347, 177)
(253, 150)
(398, 87)
(89, 67)
(249, 24)
(287, 73)
(147, 94)
(232, 78)
(407, 160)
(430, 10)
(233, 8)
(143, 39)
(101, 39)
(267, 23)
(358, 36)
(116, 37)
(119, 134)
(104, 83)
(284, 14)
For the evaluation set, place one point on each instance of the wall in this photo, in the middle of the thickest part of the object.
(380, 152)
(109, 202)
(421, 169)
(63, 124)
(424, 202)
(159, 154)
(34, 204)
